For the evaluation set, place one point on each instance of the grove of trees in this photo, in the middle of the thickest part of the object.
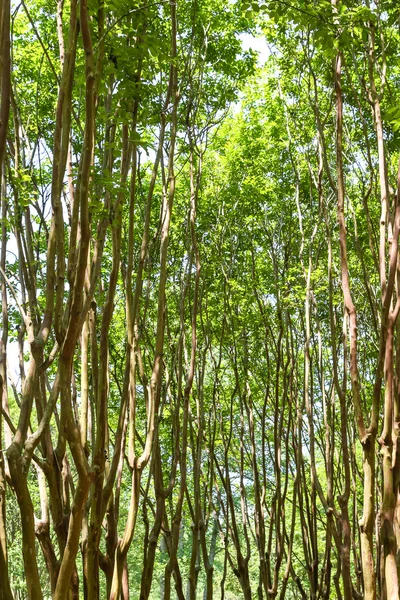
(200, 296)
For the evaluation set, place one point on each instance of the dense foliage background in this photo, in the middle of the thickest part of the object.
(200, 347)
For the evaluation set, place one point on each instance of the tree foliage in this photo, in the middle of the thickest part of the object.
(200, 348)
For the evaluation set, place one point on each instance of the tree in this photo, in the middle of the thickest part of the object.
(199, 278)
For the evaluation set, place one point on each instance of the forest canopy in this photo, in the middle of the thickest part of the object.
(200, 296)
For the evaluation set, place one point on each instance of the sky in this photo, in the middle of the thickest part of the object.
(257, 43)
